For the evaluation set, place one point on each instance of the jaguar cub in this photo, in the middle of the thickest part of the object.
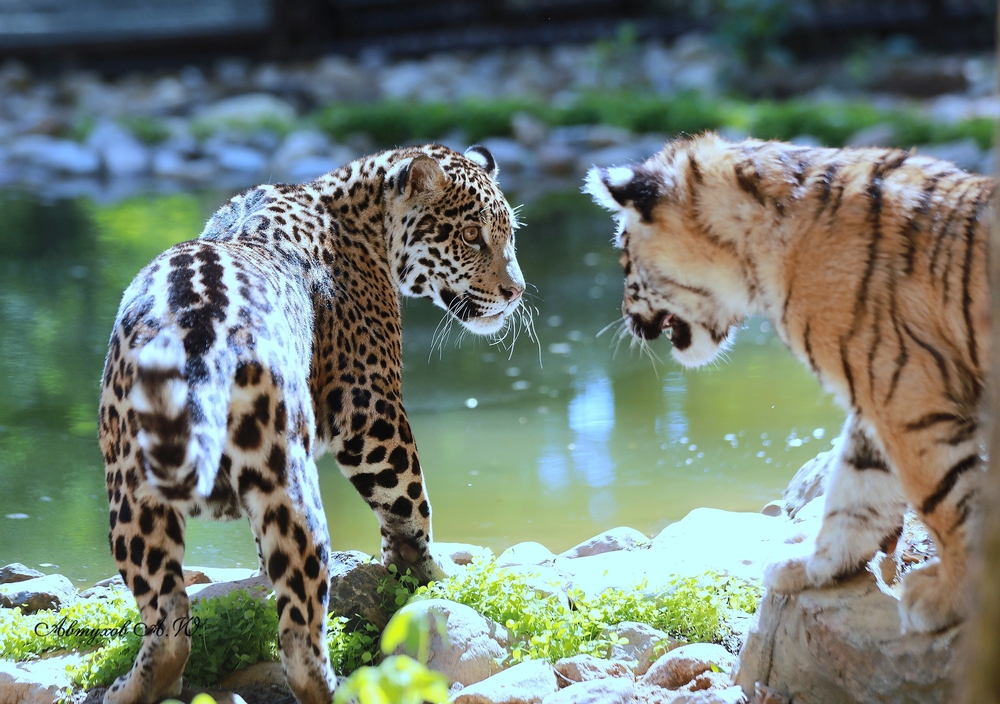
(240, 357)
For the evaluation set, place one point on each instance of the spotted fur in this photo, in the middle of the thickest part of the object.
(871, 266)
(239, 358)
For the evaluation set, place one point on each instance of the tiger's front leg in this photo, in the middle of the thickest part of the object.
(379, 456)
(863, 513)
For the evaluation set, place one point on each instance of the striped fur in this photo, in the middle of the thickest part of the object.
(871, 266)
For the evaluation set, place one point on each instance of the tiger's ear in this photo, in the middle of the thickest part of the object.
(619, 187)
(421, 177)
(481, 155)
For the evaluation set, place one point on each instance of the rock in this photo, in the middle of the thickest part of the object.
(172, 164)
(606, 691)
(921, 76)
(527, 553)
(556, 159)
(16, 572)
(729, 695)
(246, 111)
(964, 153)
(680, 666)
(881, 135)
(609, 541)
(235, 157)
(258, 585)
(603, 136)
(300, 144)
(354, 581)
(35, 682)
(310, 168)
(267, 674)
(640, 651)
(842, 644)
(459, 553)
(509, 155)
(120, 152)
(61, 155)
(740, 544)
(111, 582)
(527, 683)
(192, 577)
(765, 695)
(220, 574)
(773, 509)
(528, 130)
(474, 647)
(584, 668)
(52, 591)
(810, 481)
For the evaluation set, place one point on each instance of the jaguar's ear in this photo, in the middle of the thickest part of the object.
(422, 176)
(619, 187)
(481, 155)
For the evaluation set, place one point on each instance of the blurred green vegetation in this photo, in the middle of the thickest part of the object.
(390, 123)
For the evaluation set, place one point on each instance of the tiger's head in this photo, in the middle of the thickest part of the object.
(679, 278)
(454, 241)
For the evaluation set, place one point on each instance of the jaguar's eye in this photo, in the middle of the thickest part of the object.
(472, 234)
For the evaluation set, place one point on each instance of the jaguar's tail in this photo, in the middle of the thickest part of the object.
(179, 459)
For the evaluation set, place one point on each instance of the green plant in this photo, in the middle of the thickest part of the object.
(148, 130)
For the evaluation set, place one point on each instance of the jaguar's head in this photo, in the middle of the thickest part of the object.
(454, 239)
(678, 281)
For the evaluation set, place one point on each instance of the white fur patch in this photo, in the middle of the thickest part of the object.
(594, 185)
(619, 176)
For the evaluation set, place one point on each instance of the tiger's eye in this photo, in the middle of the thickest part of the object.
(470, 234)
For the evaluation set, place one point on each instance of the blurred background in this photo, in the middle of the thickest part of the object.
(124, 124)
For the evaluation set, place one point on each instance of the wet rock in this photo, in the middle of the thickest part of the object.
(50, 592)
(964, 153)
(842, 644)
(605, 691)
(584, 668)
(473, 648)
(16, 572)
(527, 683)
(641, 649)
(60, 155)
(120, 152)
(680, 666)
(527, 553)
(354, 582)
(881, 135)
(622, 538)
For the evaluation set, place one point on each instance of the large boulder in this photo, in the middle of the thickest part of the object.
(609, 541)
(354, 582)
(527, 683)
(464, 646)
(584, 668)
(16, 572)
(680, 666)
(52, 591)
(842, 644)
(614, 690)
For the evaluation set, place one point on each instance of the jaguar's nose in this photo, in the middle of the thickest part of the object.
(513, 293)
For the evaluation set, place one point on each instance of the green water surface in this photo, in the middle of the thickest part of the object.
(552, 441)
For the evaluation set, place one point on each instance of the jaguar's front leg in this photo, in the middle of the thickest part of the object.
(379, 456)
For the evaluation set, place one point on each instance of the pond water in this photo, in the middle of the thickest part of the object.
(552, 441)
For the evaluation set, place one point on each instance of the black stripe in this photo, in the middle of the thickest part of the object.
(826, 185)
(963, 508)
(808, 345)
(847, 368)
(749, 183)
(903, 357)
(970, 237)
(938, 357)
(873, 350)
(942, 232)
(948, 483)
(864, 455)
(933, 419)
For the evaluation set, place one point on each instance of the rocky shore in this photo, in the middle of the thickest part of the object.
(840, 643)
(238, 124)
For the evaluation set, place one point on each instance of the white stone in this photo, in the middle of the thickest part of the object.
(474, 647)
(964, 153)
(121, 153)
(35, 682)
(527, 553)
(459, 553)
(50, 592)
(680, 666)
(730, 695)
(584, 668)
(234, 157)
(640, 650)
(248, 110)
(258, 584)
(60, 155)
(622, 538)
(526, 683)
(607, 691)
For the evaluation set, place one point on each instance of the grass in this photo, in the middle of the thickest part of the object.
(390, 123)
(239, 629)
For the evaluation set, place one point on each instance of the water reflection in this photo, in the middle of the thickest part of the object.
(554, 452)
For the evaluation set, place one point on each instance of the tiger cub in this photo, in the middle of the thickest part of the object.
(871, 266)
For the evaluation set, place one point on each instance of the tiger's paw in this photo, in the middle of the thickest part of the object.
(788, 576)
(928, 603)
